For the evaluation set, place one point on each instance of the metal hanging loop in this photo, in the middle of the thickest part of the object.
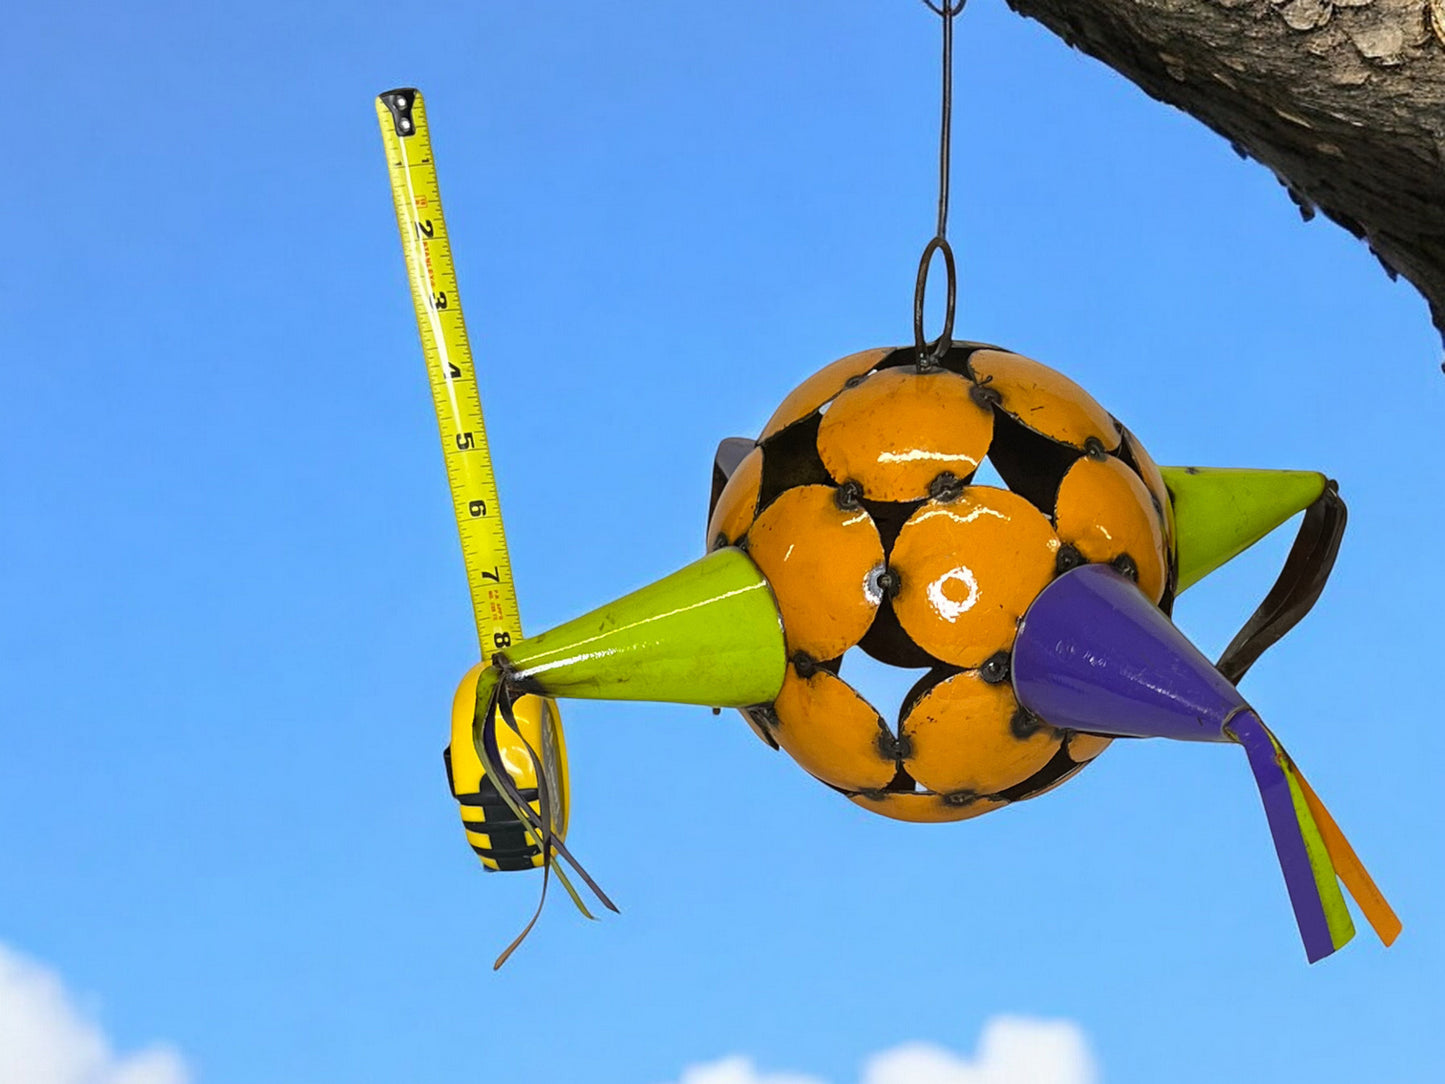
(930, 356)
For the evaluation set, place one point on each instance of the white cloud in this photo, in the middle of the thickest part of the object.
(45, 1039)
(739, 1070)
(1011, 1050)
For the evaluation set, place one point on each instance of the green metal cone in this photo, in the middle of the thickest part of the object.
(1220, 512)
(708, 634)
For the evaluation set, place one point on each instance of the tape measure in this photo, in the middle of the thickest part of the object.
(427, 245)
(494, 830)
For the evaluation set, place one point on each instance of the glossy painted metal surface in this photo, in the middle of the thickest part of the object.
(1312, 914)
(737, 504)
(820, 387)
(896, 432)
(493, 831)
(1352, 873)
(823, 562)
(1044, 400)
(965, 734)
(708, 634)
(1154, 482)
(1083, 748)
(1219, 512)
(832, 732)
(967, 571)
(925, 808)
(1094, 654)
(970, 575)
(1105, 512)
(903, 444)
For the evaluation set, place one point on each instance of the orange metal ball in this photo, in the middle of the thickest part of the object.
(862, 504)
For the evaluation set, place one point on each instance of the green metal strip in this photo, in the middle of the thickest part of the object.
(1332, 899)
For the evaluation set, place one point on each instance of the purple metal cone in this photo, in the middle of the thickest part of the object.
(1094, 654)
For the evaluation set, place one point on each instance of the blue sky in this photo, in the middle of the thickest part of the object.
(235, 610)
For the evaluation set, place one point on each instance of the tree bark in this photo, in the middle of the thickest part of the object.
(1343, 99)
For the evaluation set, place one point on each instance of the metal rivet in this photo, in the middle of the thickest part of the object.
(984, 396)
(1024, 725)
(946, 487)
(887, 582)
(892, 747)
(995, 669)
(1068, 558)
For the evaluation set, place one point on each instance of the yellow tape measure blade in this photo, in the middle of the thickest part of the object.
(501, 840)
(450, 371)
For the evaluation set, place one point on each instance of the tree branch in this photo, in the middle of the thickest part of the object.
(1344, 100)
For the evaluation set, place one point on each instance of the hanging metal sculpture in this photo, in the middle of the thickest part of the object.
(1040, 608)
(859, 505)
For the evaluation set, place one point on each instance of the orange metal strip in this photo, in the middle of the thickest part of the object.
(1351, 870)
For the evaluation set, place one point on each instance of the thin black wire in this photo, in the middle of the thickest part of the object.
(929, 357)
(945, 147)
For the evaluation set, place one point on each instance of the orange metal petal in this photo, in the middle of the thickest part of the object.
(965, 734)
(822, 562)
(1083, 748)
(968, 569)
(820, 387)
(833, 732)
(897, 431)
(1046, 401)
(925, 808)
(1104, 512)
(737, 504)
(1154, 482)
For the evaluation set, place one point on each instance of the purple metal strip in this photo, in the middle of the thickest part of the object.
(1289, 844)
(1093, 653)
